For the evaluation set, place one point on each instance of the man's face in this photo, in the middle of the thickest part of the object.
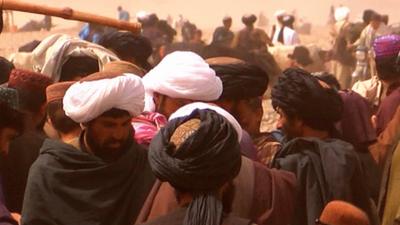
(108, 137)
(291, 127)
(167, 105)
(228, 24)
(375, 24)
(249, 114)
(6, 135)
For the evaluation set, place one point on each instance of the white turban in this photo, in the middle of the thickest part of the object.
(182, 75)
(342, 13)
(189, 108)
(86, 100)
(280, 12)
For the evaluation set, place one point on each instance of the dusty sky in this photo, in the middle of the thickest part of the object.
(208, 13)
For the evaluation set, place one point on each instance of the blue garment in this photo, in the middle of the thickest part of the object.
(5, 216)
(124, 15)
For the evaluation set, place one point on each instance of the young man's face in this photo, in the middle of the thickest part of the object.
(249, 113)
(6, 136)
(166, 105)
(108, 137)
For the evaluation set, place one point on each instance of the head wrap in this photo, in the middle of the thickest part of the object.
(29, 81)
(9, 96)
(339, 212)
(249, 19)
(387, 46)
(342, 13)
(300, 94)
(86, 100)
(240, 80)
(189, 108)
(57, 91)
(51, 54)
(280, 13)
(120, 67)
(198, 153)
(182, 75)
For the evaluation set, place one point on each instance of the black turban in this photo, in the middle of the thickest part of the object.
(207, 157)
(299, 94)
(240, 80)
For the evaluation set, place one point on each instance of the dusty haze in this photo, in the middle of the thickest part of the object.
(208, 13)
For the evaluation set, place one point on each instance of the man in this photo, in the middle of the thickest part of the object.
(250, 38)
(123, 14)
(103, 176)
(261, 195)
(11, 125)
(199, 169)
(180, 78)
(24, 149)
(344, 61)
(286, 35)
(223, 35)
(129, 47)
(244, 85)
(387, 60)
(326, 168)
(342, 213)
(67, 129)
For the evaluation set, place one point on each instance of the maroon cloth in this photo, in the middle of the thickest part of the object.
(355, 125)
(387, 109)
(28, 80)
(266, 196)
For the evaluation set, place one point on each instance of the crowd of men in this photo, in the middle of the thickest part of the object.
(98, 134)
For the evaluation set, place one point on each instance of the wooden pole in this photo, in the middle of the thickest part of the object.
(69, 14)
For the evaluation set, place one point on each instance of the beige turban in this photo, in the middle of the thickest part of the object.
(86, 100)
(189, 108)
(342, 13)
(182, 75)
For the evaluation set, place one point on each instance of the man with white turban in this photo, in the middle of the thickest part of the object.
(179, 79)
(102, 177)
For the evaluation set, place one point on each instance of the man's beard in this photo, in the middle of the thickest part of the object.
(108, 153)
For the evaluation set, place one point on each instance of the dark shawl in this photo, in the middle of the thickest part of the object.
(262, 195)
(176, 217)
(24, 150)
(67, 186)
(326, 170)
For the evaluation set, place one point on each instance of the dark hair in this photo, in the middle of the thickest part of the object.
(60, 121)
(376, 17)
(5, 69)
(367, 14)
(78, 66)
(127, 45)
(10, 118)
(115, 113)
(241, 80)
(329, 79)
(388, 68)
(299, 95)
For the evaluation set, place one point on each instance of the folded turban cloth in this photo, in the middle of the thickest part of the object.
(9, 96)
(182, 75)
(57, 91)
(342, 13)
(86, 100)
(387, 46)
(198, 153)
(189, 108)
(123, 67)
(240, 80)
(300, 94)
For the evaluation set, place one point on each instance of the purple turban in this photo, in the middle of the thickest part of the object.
(387, 46)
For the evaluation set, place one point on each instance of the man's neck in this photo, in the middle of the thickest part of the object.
(309, 132)
(69, 137)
